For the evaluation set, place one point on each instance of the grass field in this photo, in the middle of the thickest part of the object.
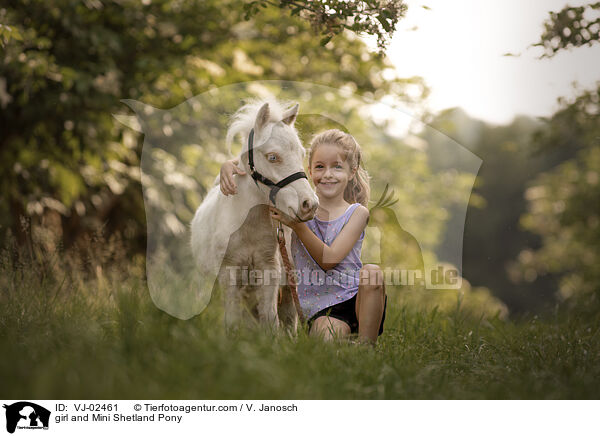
(101, 337)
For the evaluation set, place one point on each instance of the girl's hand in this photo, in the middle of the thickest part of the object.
(276, 215)
(226, 180)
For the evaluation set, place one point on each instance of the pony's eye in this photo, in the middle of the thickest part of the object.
(272, 157)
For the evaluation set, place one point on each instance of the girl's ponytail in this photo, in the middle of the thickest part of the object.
(358, 189)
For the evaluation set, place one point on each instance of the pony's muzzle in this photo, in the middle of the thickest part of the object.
(307, 209)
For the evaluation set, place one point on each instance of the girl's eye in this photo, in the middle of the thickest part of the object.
(319, 166)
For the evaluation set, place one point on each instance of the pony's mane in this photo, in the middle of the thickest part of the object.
(243, 120)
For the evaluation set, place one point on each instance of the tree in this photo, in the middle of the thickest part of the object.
(67, 64)
(563, 206)
(492, 237)
(330, 17)
(571, 27)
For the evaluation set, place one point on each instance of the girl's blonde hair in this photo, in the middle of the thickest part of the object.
(357, 190)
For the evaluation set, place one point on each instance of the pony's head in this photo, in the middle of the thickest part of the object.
(277, 154)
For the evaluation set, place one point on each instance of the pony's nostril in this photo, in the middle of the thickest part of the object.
(306, 205)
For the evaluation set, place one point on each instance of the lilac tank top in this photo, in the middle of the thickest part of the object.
(318, 289)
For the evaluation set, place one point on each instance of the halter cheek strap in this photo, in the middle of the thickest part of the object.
(258, 177)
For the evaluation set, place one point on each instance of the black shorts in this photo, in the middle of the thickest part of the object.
(346, 311)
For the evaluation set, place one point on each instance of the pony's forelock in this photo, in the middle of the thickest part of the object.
(242, 121)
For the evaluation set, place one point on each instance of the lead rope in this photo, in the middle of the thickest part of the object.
(291, 278)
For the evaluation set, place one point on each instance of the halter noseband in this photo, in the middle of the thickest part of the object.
(258, 177)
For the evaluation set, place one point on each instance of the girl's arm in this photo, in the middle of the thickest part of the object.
(328, 256)
(226, 180)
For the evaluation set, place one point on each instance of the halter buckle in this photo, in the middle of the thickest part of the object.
(280, 234)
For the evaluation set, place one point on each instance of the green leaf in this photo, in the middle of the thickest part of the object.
(385, 23)
(325, 40)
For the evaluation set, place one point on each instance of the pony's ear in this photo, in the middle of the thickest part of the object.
(290, 115)
(262, 118)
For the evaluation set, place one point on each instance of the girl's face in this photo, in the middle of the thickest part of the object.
(330, 171)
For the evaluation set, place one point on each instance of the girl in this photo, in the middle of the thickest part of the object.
(337, 293)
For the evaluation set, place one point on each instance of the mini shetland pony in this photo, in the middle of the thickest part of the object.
(235, 235)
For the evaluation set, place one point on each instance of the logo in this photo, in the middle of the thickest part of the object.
(416, 236)
(26, 415)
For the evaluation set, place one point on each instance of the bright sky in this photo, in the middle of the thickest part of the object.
(458, 49)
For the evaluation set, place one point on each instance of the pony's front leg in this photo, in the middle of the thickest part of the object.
(230, 281)
(233, 308)
(268, 292)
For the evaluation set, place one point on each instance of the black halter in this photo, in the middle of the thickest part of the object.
(258, 177)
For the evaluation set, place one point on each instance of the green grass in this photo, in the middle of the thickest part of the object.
(68, 336)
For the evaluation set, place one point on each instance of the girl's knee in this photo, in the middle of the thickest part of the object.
(371, 277)
(329, 327)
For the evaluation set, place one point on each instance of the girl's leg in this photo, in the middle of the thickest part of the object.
(369, 302)
(329, 328)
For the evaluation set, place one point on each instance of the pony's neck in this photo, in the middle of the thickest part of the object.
(253, 204)
(251, 194)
